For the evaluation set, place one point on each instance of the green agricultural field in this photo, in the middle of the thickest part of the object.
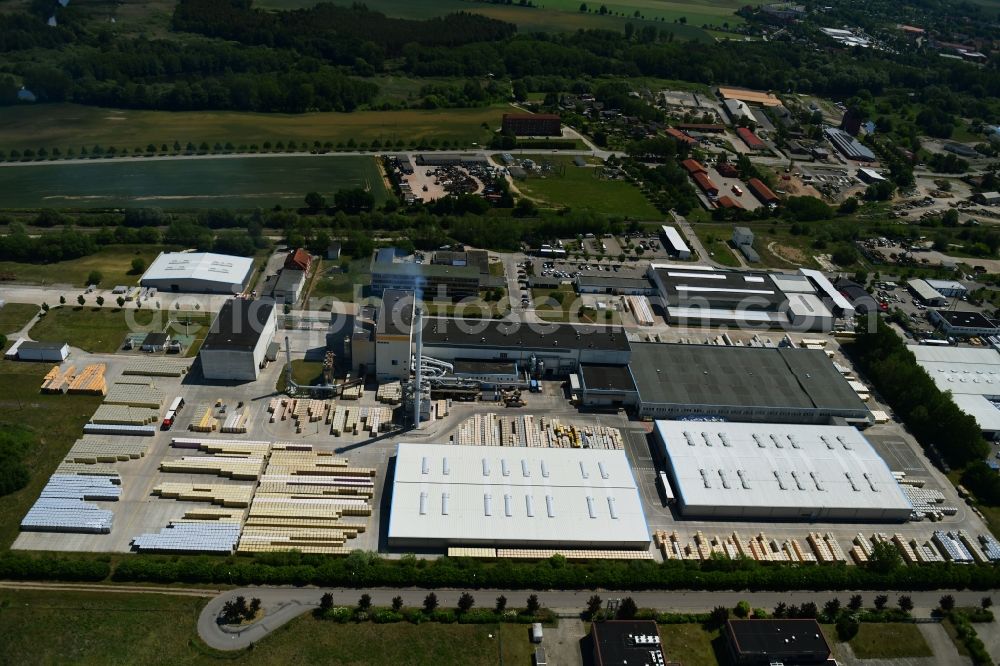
(58, 421)
(582, 188)
(67, 126)
(113, 262)
(215, 182)
(563, 15)
(13, 316)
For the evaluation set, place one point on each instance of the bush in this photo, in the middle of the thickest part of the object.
(847, 628)
(480, 616)
(444, 616)
(386, 616)
(341, 615)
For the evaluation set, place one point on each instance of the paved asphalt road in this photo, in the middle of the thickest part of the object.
(283, 604)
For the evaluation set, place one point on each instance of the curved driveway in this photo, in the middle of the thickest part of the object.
(282, 604)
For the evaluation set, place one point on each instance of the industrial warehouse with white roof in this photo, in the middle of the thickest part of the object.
(198, 272)
(973, 378)
(766, 471)
(445, 495)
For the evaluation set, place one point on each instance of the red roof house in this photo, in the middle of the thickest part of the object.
(299, 260)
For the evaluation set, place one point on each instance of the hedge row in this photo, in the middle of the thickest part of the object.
(967, 634)
(369, 570)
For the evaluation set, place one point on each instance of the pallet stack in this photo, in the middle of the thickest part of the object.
(204, 420)
(228, 495)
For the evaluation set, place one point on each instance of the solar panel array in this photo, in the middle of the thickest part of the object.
(191, 537)
(61, 507)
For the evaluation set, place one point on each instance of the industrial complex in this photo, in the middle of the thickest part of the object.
(727, 401)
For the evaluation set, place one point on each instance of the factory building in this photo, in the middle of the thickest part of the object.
(746, 384)
(560, 348)
(850, 147)
(973, 378)
(236, 344)
(764, 300)
(602, 385)
(429, 281)
(445, 496)
(925, 293)
(738, 110)
(198, 272)
(394, 335)
(674, 243)
(592, 283)
(381, 340)
(948, 288)
(489, 374)
(964, 324)
(531, 124)
(772, 471)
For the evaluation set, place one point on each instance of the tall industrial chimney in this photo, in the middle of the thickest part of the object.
(418, 322)
(288, 364)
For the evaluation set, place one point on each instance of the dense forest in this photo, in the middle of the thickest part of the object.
(320, 58)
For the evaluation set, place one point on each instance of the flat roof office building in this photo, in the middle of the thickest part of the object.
(444, 495)
(772, 471)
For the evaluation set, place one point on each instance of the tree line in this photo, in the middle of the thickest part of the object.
(365, 569)
(931, 415)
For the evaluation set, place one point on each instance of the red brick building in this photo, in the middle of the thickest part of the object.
(532, 124)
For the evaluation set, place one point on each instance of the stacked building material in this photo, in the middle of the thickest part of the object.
(242, 469)
(124, 415)
(56, 380)
(135, 395)
(236, 422)
(204, 420)
(64, 505)
(190, 537)
(391, 393)
(230, 495)
(158, 367)
(100, 450)
(90, 381)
